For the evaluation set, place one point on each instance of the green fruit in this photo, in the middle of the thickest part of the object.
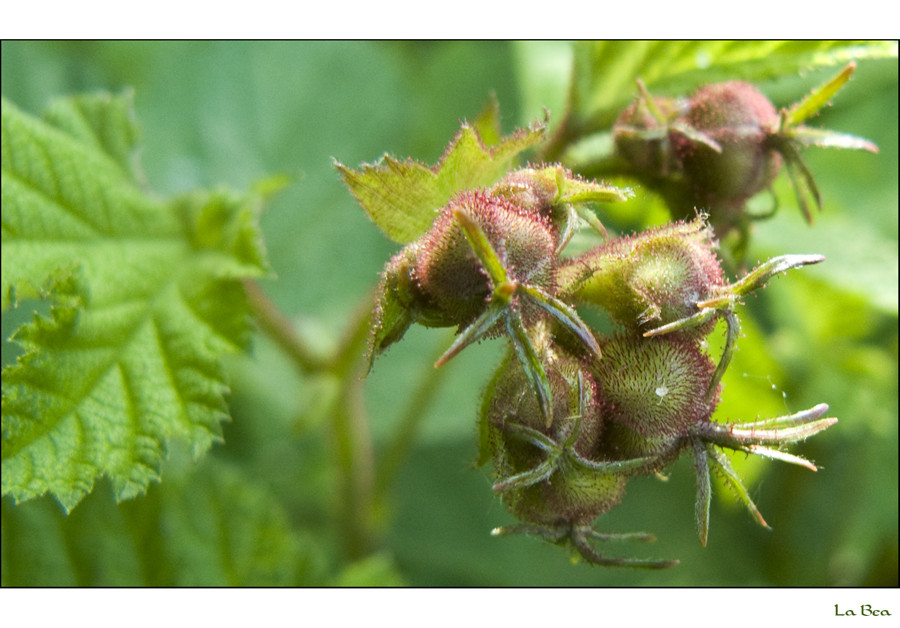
(653, 393)
(648, 279)
(566, 493)
(740, 118)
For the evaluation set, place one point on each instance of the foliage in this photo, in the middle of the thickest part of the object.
(329, 480)
(144, 297)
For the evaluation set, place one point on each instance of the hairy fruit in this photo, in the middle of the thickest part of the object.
(641, 134)
(653, 391)
(571, 414)
(546, 474)
(559, 195)
(450, 273)
(651, 278)
(742, 121)
(569, 493)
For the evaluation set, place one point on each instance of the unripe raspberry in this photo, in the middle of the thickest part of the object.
(560, 196)
(399, 280)
(653, 392)
(450, 274)
(651, 278)
(571, 494)
(529, 187)
(643, 139)
(742, 121)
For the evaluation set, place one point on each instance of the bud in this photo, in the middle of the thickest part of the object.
(641, 134)
(654, 392)
(657, 398)
(559, 492)
(440, 280)
(533, 188)
(450, 274)
(544, 472)
(741, 120)
(651, 278)
(559, 195)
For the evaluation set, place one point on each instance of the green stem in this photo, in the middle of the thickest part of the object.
(280, 328)
(402, 439)
(350, 429)
(353, 441)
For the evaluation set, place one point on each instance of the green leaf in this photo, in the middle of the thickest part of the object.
(604, 71)
(102, 121)
(145, 298)
(402, 197)
(487, 122)
(206, 527)
(221, 530)
(377, 570)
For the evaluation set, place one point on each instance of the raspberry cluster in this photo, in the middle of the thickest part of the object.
(724, 144)
(571, 413)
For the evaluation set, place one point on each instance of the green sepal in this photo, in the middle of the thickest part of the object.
(391, 320)
(802, 181)
(758, 278)
(695, 135)
(572, 189)
(398, 304)
(483, 250)
(817, 98)
(721, 463)
(826, 138)
(485, 449)
(531, 363)
(579, 537)
(475, 331)
(565, 315)
(561, 456)
(783, 456)
(704, 490)
(776, 432)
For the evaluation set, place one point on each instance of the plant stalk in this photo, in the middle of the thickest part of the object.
(280, 328)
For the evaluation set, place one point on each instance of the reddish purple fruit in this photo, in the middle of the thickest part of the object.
(450, 274)
(740, 118)
(643, 139)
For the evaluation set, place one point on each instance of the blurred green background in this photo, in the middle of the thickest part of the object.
(223, 113)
